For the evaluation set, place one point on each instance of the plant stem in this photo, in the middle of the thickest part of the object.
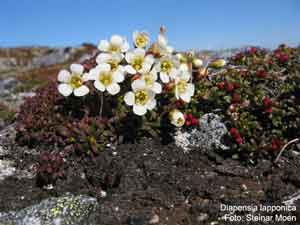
(284, 147)
(101, 104)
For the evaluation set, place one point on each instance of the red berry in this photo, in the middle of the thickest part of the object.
(230, 87)
(221, 85)
(236, 98)
(194, 121)
(239, 140)
(252, 50)
(261, 74)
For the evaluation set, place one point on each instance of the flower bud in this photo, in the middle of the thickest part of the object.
(197, 63)
(177, 118)
(217, 64)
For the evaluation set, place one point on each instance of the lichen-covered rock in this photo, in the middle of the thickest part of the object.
(207, 136)
(66, 210)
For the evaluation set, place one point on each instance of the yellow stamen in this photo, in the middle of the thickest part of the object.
(76, 81)
(141, 40)
(105, 78)
(114, 48)
(166, 66)
(113, 64)
(181, 86)
(141, 97)
(148, 79)
(137, 63)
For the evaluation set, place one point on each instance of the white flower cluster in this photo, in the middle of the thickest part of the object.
(150, 70)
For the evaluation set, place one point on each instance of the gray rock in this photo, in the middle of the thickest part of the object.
(7, 63)
(207, 136)
(69, 209)
(59, 55)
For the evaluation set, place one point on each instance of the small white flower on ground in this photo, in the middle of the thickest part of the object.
(183, 89)
(150, 79)
(138, 61)
(141, 98)
(177, 118)
(140, 39)
(106, 79)
(73, 82)
(117, 44)
(113, 60)
(197, 63)
(167, 68)
(217, 64)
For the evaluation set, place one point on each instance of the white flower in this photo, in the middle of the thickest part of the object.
(73, 82)
(113, 60)
(167, 67)
(106, 78)
(138, 61)
(141, 98)
(150, 79)
(140, 39)
(197, 63)
(183, 89)
(163, 47)
(217, 64)
(177, 118)
(117, 44)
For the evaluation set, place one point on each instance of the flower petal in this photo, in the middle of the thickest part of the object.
(146, 68)
(156, 88)
(98, 85)
(118, 77)
(113, 89)
(129, 57)
(185, 97)
(139, 110)
(87, 76)
(138, 85)
(162, 41)
(116, 40)
(139, 52)
(64, 76)
(81, 91)
(191, 89)
(65, 89)
(174, 73)
(103, 58)
(129, 98)
(164, 77)
(77, 68)
(125, 46)
(129, 69)
(149, 59)
(103, 45)
(151, 104)
(103, 67)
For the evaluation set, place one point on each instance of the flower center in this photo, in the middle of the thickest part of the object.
(141, 41)
(76, 81)
(106, 78)
(114, 48)
(148, 79)
(181, 86)
(113, 64)
(137, 63)
(166, 66)
(141, 97)
(180, 121)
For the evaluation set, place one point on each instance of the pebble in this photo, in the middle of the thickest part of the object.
(154, 219)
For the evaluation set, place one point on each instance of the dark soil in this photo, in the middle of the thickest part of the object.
(147, 181)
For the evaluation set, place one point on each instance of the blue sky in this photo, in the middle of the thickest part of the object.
(206, 24)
